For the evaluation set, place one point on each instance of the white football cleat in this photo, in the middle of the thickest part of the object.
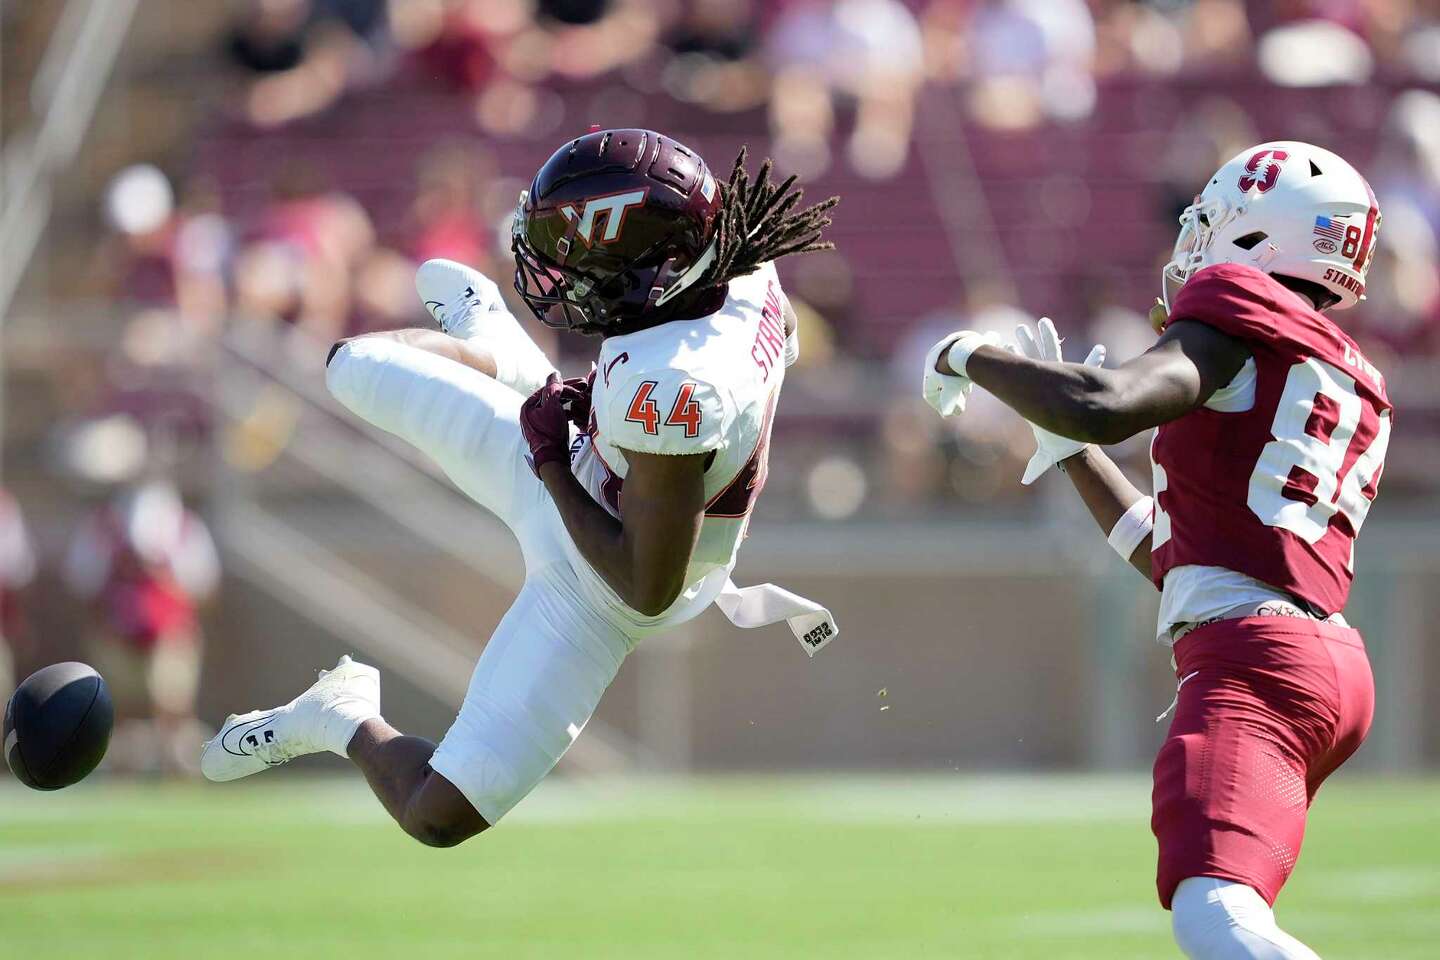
(322, 718)
(458, 297)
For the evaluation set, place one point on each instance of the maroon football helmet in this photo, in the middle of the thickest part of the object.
(615, 233)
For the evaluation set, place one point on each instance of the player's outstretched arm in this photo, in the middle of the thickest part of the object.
(1123, 512)
(1188, 363)
(1110, 497)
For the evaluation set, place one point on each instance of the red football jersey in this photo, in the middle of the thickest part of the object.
(1275, 487)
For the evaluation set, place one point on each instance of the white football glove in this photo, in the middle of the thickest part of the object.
(1051, 447)
(946, 393)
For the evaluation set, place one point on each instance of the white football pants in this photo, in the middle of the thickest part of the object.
(555, 652)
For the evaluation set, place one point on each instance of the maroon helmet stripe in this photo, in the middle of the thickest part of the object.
(1363, 254)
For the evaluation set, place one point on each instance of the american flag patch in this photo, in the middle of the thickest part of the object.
(1332, 228)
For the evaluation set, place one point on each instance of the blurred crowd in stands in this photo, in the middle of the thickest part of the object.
(846, 93)
(998, 159)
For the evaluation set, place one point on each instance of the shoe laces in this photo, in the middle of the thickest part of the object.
(452, 314)
(278, 750)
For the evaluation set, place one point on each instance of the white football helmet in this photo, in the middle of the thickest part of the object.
(1286, 208)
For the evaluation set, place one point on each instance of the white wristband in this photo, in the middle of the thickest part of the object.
(1132, 528)
(959, 353)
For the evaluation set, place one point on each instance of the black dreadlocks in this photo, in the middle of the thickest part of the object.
(756, 223)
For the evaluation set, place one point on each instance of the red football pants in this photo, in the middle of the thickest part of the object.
(1268, 708)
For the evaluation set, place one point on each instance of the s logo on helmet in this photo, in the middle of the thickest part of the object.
(1262, 170)
(612, 208)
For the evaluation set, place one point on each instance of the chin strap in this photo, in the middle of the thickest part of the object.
(660, 296)
(1266, 257)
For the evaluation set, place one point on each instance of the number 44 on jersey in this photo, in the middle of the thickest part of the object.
(684, 413)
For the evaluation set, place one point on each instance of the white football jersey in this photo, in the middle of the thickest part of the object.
(688, 387)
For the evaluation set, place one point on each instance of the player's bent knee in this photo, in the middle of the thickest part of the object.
(443, 831)
(438, 815)
(441, 834)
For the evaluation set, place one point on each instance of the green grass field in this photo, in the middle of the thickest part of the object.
(288, 866)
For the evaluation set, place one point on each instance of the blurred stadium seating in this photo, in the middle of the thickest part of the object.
(997, 159)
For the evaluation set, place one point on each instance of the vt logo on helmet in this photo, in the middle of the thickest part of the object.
(616, 229)
(1288, 208)
(609, 210)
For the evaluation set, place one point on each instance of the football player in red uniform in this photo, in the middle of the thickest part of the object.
(1272, 430)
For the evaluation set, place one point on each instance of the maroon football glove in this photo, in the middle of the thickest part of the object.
(545, 419)
(577, 400)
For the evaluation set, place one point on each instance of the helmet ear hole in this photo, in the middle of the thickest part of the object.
(1250, 240)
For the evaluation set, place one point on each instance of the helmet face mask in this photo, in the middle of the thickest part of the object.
(1285, 208)
(1199, 224)
(557, 297)
(614, 227)
(567, 298)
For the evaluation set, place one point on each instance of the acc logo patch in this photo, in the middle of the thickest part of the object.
(1262, 170)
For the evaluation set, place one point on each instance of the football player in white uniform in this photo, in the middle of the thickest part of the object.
(629, 491)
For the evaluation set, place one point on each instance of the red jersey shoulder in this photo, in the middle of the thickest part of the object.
(1243, 302)
(1253, 306)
